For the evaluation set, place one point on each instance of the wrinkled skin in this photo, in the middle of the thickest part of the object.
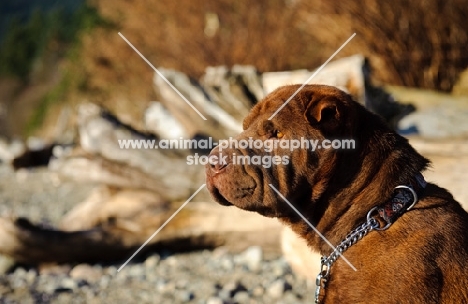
(250, 189)
(414, 261)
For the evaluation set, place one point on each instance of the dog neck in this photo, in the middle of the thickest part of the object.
(354, 187)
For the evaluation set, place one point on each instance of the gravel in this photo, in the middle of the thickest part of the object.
(39, 194)
(209, 276)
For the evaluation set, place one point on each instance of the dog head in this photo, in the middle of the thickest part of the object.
(341, 129)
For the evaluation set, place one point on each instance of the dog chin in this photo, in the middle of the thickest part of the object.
(224, 202)
(219, 198)
(248, 200)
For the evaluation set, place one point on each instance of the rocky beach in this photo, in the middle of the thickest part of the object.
(207, 276)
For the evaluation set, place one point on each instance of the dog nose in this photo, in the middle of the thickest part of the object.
(218, 161)
(217, 167)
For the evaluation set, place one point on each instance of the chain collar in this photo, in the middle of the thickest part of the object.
(404, 199)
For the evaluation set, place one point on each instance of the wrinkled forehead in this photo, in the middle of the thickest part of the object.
(271, 103)
(297, 97)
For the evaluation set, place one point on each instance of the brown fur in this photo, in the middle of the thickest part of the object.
(421, 258)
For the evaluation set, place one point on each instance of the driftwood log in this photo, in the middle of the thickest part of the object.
(142, 188)
(112, 224)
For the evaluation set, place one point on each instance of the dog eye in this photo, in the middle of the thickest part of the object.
(279, 134)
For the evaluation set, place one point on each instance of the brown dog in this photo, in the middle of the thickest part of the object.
(420, 256)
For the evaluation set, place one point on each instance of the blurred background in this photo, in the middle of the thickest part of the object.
(56, 56)
(55, 52)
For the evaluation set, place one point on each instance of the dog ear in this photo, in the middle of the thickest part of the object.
(324, 112)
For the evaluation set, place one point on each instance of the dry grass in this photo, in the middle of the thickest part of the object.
(417, 43)
(413, 43)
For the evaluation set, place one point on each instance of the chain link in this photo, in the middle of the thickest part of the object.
(352, 238)
(357, 234)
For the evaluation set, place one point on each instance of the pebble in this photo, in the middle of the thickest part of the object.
(214, 300)
(135, 271)
(54, 269)
(86, 272)
(227, 263)
(242, 297)
(277, 288)
(220, 252)
(230, 289)
(258, 291)
(281, 268)
(253, 258)
(31, 276)
(18, 282)
(20, 272)
(152, 261)
(104, 282)
(172, 261)
(111, 270)
(68, 283)
(167, 287)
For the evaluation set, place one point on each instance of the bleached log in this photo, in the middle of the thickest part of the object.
(347, 73)
(103, 160)
(218, 123)
(112, 225)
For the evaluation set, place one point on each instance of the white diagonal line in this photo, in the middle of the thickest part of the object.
(312, 226)
(162, 76)
(162, 226)
(313, 75)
